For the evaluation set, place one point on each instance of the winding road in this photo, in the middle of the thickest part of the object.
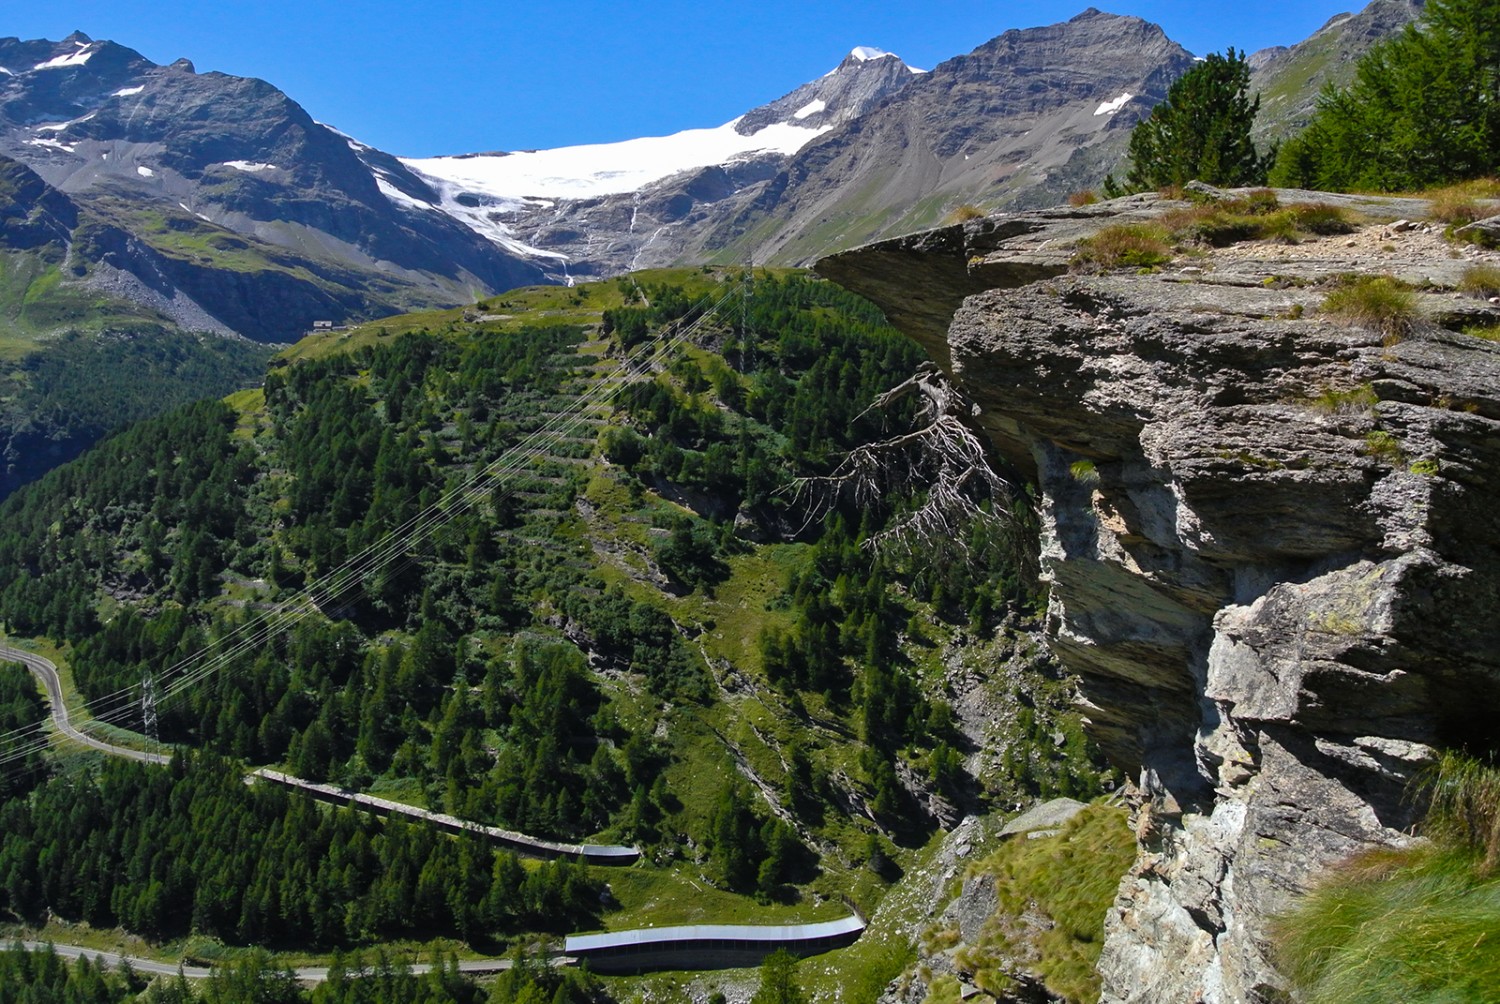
(678, 947)
(44, 670)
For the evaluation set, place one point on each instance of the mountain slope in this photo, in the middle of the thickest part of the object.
(1020, 121)
(1289, 80)
(250, 200)
(620, 627)
(878, 148)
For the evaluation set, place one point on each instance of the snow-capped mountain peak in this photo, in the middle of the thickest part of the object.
(481, 189)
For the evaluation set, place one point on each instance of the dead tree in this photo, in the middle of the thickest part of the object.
(942, 457)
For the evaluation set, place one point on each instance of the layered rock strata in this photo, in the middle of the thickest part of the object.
(1270, 538)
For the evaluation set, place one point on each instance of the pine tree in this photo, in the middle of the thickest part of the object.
(1423, 110)
(1200, 132)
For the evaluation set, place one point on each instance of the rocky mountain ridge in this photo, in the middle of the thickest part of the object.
(265, 219)
(1021, 120)
(1268, 537)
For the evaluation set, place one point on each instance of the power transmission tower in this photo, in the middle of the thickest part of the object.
(148, 706)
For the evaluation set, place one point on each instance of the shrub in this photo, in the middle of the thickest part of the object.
(1087, 197)
(1380, 302)
(1124, 245)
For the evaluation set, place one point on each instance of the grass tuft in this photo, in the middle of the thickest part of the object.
(1415, 925)
(1360, 400)
(1123, 245)
(1382, 303)
(1086, 197)
(964, 213)
(1071, 878)
(1480, 280)
(1084, 472)
(1464, 807)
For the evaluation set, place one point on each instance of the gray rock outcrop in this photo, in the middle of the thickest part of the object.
(1270, 538)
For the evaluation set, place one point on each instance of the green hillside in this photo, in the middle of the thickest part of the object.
(534, 563)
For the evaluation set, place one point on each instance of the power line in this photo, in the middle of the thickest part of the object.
(336, 584)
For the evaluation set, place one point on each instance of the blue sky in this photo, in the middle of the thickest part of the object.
(455, 76)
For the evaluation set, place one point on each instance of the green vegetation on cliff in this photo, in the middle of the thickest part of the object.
(1414, 925)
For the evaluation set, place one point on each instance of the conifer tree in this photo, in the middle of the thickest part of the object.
(778, 980)
(1200, 132)
(1423, 110)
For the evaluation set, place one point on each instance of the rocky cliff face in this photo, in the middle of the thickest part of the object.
(1270, 538)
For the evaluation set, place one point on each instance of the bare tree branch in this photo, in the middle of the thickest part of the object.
(943, 457)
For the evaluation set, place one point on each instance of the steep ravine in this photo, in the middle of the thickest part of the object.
(1271, 541)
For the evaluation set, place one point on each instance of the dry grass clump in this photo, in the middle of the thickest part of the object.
(1087, 197)
(1382, 303)
(965, 213)
(1257, 215)
(1124, 245)
(1320, 218)
(1481, 280)
(1459, 204)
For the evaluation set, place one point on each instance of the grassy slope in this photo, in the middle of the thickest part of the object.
(36, 300)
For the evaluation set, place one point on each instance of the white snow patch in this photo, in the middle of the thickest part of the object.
(51, 144)
(145, 172)
(811, 108)
(249, 165)
(60, 126)
(354, 144)
(865, 53)
(76, 58)
(581, 172)
(1110, 107)
(126, 92)
(399, 197)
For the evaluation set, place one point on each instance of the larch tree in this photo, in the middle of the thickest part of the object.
(1423, 109)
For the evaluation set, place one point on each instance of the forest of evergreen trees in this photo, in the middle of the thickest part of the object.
(469, 670)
